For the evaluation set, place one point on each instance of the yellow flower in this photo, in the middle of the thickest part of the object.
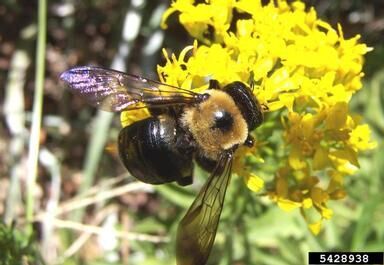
(253, 182)
(301, 68)
(360, 138)
(199, 19)
(315, 227)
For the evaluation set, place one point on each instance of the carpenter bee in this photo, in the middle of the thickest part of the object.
(184, 126)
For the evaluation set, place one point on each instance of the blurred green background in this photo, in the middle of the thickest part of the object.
(83, 188)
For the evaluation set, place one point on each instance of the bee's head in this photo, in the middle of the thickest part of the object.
(247, 103)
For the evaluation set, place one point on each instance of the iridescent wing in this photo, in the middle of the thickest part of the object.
(197, 230)
(115, 91)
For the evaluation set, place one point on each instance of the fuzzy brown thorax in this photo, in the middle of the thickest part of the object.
(216, 124)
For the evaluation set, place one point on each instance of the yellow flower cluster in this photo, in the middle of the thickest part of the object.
(302, 69)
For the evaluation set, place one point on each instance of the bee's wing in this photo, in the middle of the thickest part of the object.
(197, 230)
(114, 91)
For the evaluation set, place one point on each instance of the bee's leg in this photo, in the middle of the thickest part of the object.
(184, 181)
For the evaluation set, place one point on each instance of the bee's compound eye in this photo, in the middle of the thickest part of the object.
(223, 120)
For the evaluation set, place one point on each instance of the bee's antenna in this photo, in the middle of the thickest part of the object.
(214, 84)
(251, 81)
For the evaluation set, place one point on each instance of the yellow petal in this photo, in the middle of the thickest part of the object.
(129, 117)
(253, 182)
(296, 161)
(319, 196)
(315, 227)
(288, 205)
(347, 154)
(337, 116)
(320, 159)
(307, 203)
(326, 213)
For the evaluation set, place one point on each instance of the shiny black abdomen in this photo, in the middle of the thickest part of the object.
(151, 151)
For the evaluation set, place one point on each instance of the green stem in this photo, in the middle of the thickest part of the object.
(37, 109)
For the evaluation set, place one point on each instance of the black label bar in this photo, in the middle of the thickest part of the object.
(346, 258)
